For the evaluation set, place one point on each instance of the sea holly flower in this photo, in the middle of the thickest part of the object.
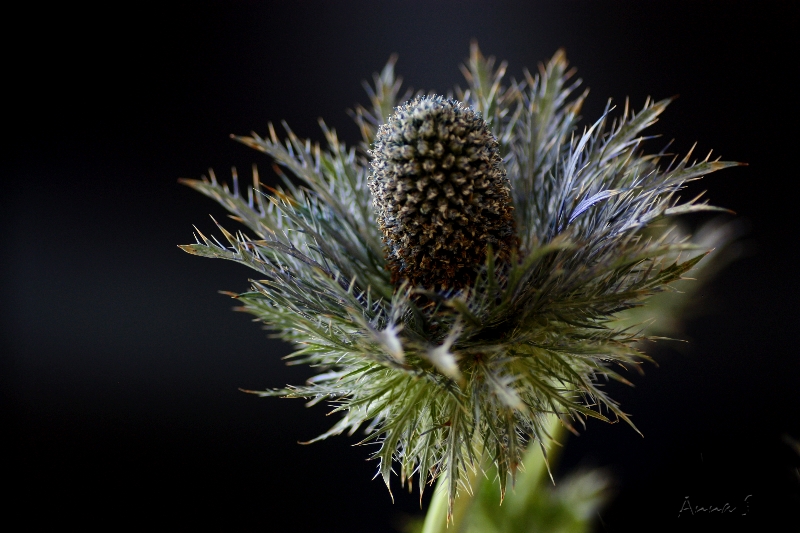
(456, 279)
(440, 193)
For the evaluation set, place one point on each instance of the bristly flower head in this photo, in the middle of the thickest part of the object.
(452, 357)
(441, 193)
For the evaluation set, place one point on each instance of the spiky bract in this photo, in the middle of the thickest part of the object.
(441, 194)
(446, 382)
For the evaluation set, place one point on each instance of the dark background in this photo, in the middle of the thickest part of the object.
(121, 363)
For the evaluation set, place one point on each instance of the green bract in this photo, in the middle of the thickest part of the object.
(449, 372)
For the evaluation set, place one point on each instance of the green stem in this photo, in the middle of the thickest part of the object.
(437, 510)
(535, 467)
(436, 519)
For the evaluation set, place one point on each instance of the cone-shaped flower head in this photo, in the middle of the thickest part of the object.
(440, 192)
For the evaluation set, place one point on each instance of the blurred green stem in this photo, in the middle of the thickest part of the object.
(535, 466)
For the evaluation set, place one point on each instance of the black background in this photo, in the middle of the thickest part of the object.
(121, 362)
